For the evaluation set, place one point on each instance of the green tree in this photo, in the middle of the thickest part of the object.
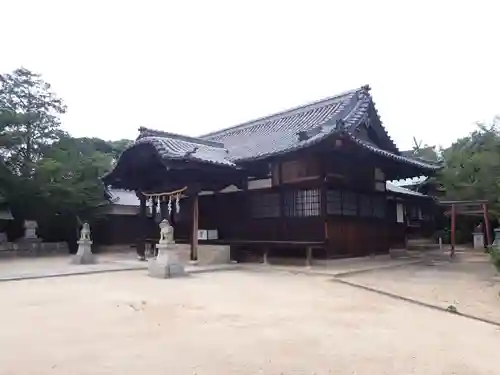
(30, 119)
(472, 166)
(45, 174)
(68, 175)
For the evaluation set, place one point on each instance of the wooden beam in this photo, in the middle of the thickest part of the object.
(449, 203)
(487, 224)
(194, 230)
(453, 224)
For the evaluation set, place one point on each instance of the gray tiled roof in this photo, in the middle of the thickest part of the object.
(401, 190)
(181, 148)
(276, 134)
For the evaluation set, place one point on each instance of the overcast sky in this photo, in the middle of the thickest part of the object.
(196, 66)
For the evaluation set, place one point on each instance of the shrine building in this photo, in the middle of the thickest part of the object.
(310, 179)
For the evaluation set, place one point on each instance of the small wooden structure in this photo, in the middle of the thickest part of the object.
(469, 208)
(312, 179)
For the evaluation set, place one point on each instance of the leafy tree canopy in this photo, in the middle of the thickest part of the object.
(30, 119)
(472, 166)
(44, 172)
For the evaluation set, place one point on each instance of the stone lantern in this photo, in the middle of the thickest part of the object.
(84, 254)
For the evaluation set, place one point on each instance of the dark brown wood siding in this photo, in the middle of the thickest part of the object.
(355, 236)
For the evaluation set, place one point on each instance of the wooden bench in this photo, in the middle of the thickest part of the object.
(308, 245)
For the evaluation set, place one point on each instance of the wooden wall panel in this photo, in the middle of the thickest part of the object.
(300, 169)
(355, 236)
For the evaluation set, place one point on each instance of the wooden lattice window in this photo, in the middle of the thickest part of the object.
(303, 203)
(365, 206)
(379, 207)
(349, 203)
(334, 202)
(265, 205)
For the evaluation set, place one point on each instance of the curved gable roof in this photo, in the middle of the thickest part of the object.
(281, 133)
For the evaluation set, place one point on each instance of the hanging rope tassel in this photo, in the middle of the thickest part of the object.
(169, 205)
(149, 204)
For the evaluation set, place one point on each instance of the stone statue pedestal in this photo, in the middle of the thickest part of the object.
(84, 254)
(478, 240)
(166, 264)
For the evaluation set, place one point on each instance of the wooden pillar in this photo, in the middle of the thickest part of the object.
(194, 230)
(487, 224)
(264, 256)
(282, 218)
(324, 205)
(141, 243)
(453, 229)
(308, 256)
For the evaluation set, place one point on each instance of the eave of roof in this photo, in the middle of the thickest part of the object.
(411, 161)
(122, 197)
(414, 181)
(401, 190)
(185, 148)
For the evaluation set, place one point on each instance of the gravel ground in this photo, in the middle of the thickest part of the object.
(470, 285)
(235, 322)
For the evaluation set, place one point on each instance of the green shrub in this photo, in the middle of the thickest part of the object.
(495, 256)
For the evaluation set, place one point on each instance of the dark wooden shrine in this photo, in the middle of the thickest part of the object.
(313, 176)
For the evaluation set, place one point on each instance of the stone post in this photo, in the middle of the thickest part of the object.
(84, 254)
(30, 227)
(478, 240)
(166, 264)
